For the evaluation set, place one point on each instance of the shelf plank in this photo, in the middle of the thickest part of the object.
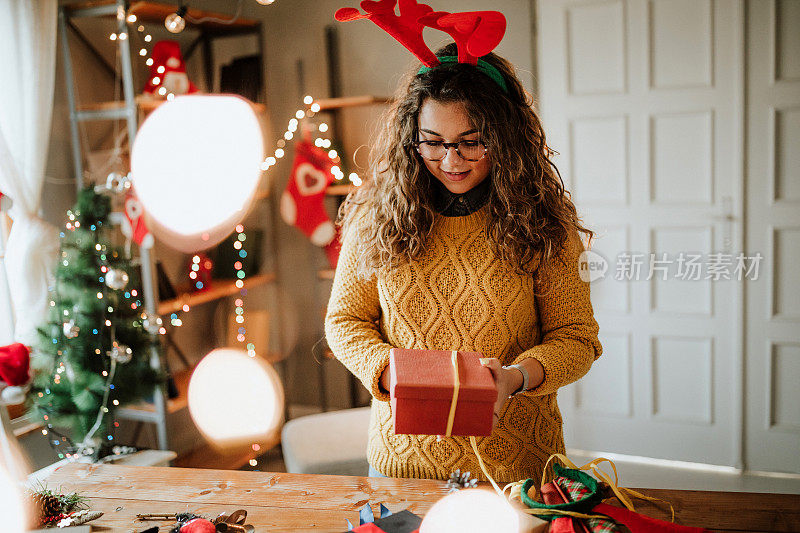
(350, 101)
(339, 190)
(146, 105)
(173, 404)
(207, 456)
(220, 289)
(156, 12)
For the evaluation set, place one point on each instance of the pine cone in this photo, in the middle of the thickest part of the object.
(48, 507)
(460, 481)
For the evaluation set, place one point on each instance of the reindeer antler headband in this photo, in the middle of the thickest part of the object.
(476, 33)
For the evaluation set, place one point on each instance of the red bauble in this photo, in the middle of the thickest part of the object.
(198, 525)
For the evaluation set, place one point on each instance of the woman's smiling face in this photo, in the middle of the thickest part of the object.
(448, 122)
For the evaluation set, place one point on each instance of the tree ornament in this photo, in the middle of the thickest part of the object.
(151, 324)
(117, 278)
(120, 353)
(71, 330)
(460, 481)
(198, 525)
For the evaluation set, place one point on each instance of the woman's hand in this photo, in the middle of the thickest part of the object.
(507, 382)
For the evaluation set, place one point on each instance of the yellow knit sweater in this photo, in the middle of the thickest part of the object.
(460, 296)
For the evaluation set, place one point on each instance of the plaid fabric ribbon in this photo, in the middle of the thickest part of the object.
(577, 491)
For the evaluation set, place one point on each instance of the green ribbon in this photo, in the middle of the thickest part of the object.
(482, 65)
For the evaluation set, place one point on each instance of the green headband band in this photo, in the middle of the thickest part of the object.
(482, 65)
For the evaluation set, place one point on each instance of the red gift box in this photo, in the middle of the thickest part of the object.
(422, 385)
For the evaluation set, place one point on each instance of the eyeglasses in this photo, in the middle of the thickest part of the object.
(437, 150)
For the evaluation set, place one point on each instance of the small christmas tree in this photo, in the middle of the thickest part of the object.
(94, 351)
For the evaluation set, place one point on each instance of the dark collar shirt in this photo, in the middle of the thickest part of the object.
(450, 204)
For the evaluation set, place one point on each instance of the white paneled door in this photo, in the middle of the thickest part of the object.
(773, 229)
(644, 101)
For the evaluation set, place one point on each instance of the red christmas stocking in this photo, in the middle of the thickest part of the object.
(302, 201)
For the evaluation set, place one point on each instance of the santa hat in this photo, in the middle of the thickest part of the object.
(168, 70)
(14, 371)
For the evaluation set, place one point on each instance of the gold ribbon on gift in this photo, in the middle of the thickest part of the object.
(456, 387)
(451, 417)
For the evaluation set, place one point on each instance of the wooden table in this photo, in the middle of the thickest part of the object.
(298, 502)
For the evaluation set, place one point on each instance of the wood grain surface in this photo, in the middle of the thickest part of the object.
(299, 502)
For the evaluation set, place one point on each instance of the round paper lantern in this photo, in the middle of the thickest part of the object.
(471, 511)
(235, 399)
(195, 167)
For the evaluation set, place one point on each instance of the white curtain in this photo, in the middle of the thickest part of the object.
(27, 64)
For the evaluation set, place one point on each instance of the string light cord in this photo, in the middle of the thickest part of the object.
(215, 19)
(87, 441)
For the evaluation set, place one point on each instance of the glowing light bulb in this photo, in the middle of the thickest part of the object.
(175, 22)
(323, 127)
(149, 62)
(471, 511)
(148, 38)
(265, 2)
(279, 153)
(288, 135)
(131, 18)
(143, 52)
(308, 99)
(113, 36)
(332, 154)
(254, 396)
(300, 113)
(315, 107)
(271, 161)
(123, 36)
(160, 69)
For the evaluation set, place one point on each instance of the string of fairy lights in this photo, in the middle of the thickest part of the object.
(321, 141)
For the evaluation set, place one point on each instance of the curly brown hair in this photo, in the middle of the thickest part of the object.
(530, 213)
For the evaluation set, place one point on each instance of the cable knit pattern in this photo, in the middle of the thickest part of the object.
(460, 296)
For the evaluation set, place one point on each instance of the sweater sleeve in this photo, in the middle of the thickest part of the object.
(569, 343)
(351, 322)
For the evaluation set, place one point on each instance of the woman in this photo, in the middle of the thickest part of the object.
(464, 240)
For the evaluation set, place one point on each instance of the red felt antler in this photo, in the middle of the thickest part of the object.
(405, 27)
(476, 33)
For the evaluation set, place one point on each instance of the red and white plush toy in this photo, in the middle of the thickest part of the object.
(14, 373)
(168, 72)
